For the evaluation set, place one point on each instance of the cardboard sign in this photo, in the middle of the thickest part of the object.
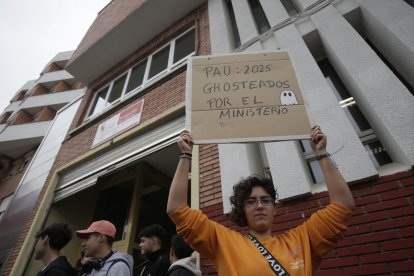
(122, 121)
(244, 97)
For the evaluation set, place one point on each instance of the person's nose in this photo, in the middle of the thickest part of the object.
(259, 204)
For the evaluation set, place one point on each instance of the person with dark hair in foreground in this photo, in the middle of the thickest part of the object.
(182, 263)
(151, 244)
(50, 241)
(97, 243)
(295, 252)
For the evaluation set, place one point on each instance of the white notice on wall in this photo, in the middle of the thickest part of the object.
(120, 122)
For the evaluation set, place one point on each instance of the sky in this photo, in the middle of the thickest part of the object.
(32, 32)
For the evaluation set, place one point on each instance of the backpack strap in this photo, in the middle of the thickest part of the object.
(117, 261)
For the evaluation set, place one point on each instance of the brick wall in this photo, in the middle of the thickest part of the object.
(210, 186)
(60, 86)
(14, 172)
(39, 90)
(379, 239)
(45, 114)
(5, 166)
(52, 68)
(4, 117)
(78, 85)
(22, 117)
(8, 185)
(21, 96)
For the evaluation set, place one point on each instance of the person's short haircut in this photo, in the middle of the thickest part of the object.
(242, 191)
(154, 230)
(59, 235)
(180, 248)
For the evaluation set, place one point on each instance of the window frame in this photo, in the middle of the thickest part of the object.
(146, 77)
(146, 72)
(146, 81)
(126, 74)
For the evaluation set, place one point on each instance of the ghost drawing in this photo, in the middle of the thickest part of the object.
(287, 97)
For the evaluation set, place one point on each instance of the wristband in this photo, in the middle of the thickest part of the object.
(322, 155)
(326, 154)
(186, 155)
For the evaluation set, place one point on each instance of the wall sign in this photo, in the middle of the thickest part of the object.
(122, 121)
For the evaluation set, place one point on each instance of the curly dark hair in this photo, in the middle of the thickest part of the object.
(242, 191)
(59, 235)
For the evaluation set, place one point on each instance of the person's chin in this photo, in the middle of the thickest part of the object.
(261, 219)
(262, 225)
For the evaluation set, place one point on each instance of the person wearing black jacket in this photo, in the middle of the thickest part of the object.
(50, 241)
(151, 246)
(182, 263)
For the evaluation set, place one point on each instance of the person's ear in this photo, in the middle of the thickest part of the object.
(101, 238)
(153, 241)
(45, 239)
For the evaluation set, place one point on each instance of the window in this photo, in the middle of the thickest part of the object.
(100, 101)
(5, 202)
(234, 28)
(184, 46)
(290, 7)
(259, 16)
(313, 165)
(137, 76)
(159, 62)
(373, 146)
(149, 69)
(117, 88)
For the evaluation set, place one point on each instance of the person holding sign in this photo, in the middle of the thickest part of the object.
(296, 252)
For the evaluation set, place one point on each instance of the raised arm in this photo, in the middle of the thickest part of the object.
(178, 190)
(338, 189)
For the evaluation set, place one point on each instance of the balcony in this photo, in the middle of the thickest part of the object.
(51, 78)
(60, 59)
(54, 100)
(115, 35)
(17, 139)
(13, 106)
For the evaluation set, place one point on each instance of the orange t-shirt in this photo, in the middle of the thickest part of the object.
(298, 250)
